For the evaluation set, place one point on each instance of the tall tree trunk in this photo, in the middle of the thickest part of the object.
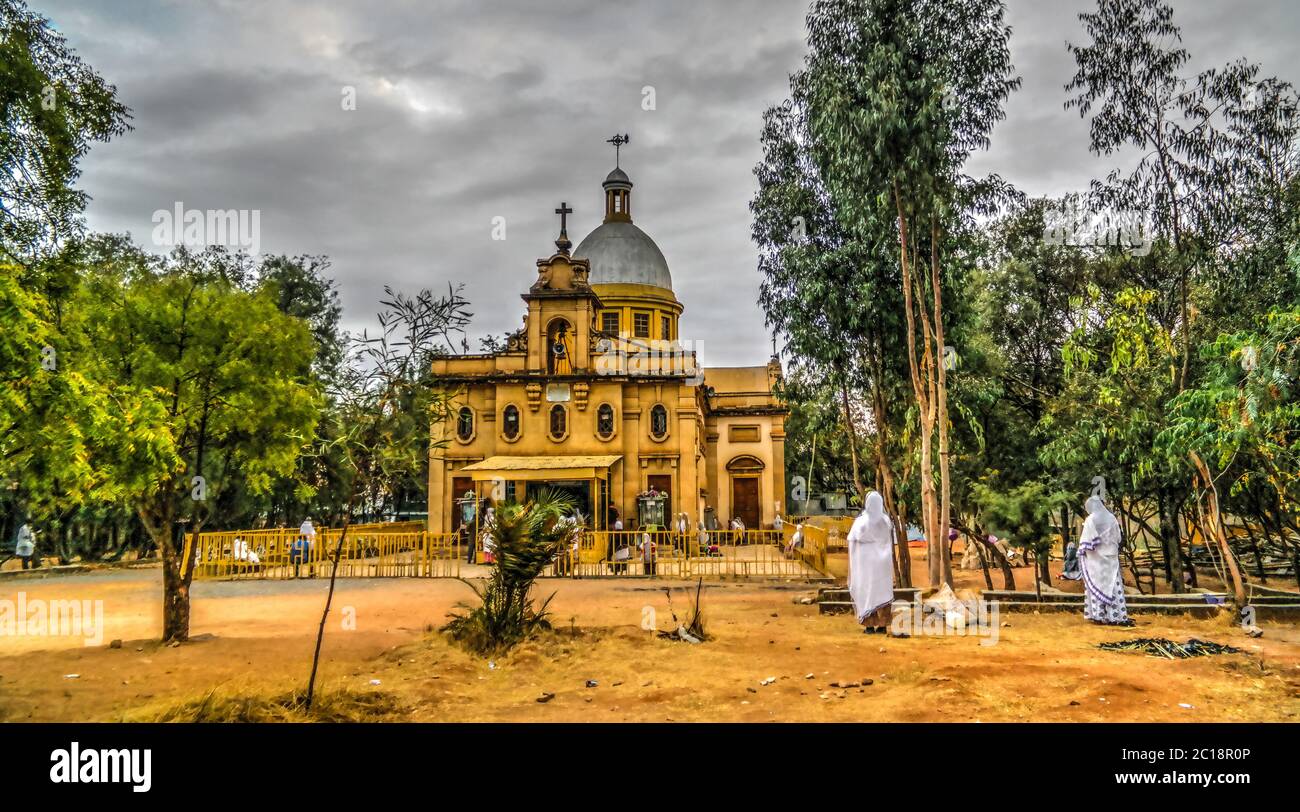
(853, 434)
(1216, 527)
(941, 370)
(903, 554)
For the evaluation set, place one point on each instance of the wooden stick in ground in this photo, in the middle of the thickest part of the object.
(329, 598)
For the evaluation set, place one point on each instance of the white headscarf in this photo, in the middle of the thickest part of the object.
(1099, 552)
(871, 558)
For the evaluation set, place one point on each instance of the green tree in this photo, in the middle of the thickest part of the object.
(219, 374)
(52, 107)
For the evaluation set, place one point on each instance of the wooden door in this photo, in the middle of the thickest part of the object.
(744, 500)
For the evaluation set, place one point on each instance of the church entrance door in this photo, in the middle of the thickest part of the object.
(744, 500)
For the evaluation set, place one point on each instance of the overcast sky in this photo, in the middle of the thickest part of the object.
(468, 110)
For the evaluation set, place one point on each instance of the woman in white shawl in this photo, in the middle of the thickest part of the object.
(871, 566)
(1103, 584)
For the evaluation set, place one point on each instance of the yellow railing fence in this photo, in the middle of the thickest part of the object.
(371, 553)
(366, 553)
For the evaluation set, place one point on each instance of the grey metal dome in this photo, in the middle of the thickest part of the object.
(617, 177)
(622, 253)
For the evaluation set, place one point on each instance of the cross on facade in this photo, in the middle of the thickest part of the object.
(618, 141)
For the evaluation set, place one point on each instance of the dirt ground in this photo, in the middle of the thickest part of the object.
(257, 637)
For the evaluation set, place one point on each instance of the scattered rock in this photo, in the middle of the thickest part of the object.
(809, 676)
(176, 644)
(616, 684)
(115, 644)
(868, 681)
(768, 681)
(752, 690)
(546, 696)
(1254, 631)
(1185, 705)
(72, 676)
(375, 682)
(591, 683)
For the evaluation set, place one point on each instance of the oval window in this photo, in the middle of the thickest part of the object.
(465, 424)
(559, 422)
(605, 421)
(510, 422)
(659, 420)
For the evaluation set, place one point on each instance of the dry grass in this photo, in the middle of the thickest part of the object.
(228, 706)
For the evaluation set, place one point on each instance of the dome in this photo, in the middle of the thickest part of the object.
(617, 177)
(621, 253)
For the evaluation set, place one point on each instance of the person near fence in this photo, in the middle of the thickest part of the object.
(683, 533)
(871, 566)
(300, 552)
(25, 546)
(1103, 582)
(648, 550)
(796, 542)
(485, 536)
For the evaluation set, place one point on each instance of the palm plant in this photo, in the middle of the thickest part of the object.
(526, 538)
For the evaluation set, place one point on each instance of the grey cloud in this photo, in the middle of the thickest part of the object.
(237, 105)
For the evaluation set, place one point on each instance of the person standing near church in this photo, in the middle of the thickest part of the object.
(1103, 582)
(25, 546)
(871, 566)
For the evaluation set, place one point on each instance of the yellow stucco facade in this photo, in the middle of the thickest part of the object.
(597, 395)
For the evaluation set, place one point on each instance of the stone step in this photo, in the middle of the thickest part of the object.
(846, 607)
(840, 594)
(1264, 612)
(1198, 598)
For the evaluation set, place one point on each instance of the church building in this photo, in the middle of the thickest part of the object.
(596, 395)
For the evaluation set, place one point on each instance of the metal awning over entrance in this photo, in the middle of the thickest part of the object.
(541, 468)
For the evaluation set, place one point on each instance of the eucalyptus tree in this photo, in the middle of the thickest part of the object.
(900, 93)
(836, 300)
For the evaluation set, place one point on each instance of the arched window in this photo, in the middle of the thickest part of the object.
(605, 421)
(510, 422)
(465, 424)
(559, 422)
(659, 421)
